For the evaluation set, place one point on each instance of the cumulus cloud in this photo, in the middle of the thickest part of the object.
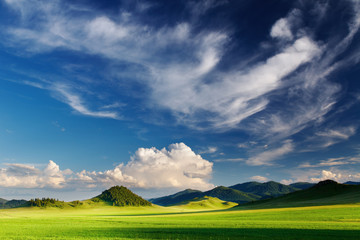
(176, 167)
(27, 176)
(268, 156)
(259, 178)
(327, 175)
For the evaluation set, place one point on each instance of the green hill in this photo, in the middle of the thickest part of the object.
(206, 202)
(352, 183)
(121, 196)
(221, 192)
(302, 185)
(265, 190)
(12, 203)
(327, 192)
(176, 198)
(232, 195)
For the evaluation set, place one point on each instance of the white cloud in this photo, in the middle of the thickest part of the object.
(235, 95)
(332, 162)
(178, 61)
(259, 178)
(330, 137)
(281, 29)
(312, 175)
(230, 160)
(77, 104)
(287, 181)
(327, 175)
(27, 176)
(268, 156)
(176, 167)
(105, 29)
(209, 150)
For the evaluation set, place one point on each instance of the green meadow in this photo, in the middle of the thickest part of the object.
(107, 222)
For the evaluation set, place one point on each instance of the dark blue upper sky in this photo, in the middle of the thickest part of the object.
(160, 96)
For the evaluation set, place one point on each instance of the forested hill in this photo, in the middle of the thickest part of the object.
(121, 196)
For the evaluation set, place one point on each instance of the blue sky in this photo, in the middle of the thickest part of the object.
(160, 96)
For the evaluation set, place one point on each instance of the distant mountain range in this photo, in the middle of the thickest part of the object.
(352, 183)
(252, 194)
(239, 193)
(326, 192)
(12, 203)
(265, 190)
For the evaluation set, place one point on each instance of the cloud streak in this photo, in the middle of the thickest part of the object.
(269, 156)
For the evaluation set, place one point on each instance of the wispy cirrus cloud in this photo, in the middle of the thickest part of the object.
(333, 162)
(267, 157)
(180, 66)
(75, 102)
(329, 137)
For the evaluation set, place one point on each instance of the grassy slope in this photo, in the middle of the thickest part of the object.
(205, 203)
(229, 194)
(107, 222)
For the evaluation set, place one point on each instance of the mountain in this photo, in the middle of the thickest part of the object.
(2, 201)
(326, 192)
(221, 192)
(302, 185)
(352, 183)
(121, 196)
(206, 202)
(182, 196)
(230, 194)
(265, 190)
(12, 203)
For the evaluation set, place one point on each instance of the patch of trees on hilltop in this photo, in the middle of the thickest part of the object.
(46, 202)
(121, 196)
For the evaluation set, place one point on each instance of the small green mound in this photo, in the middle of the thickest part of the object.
(206, 202)
(121, 196)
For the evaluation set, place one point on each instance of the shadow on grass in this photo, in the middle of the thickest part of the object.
(215, 233)
(161, 213)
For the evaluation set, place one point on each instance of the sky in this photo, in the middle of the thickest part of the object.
(160, 96)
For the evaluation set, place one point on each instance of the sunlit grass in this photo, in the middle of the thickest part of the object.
(105, 222)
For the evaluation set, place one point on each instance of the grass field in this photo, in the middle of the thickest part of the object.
(325, 222)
